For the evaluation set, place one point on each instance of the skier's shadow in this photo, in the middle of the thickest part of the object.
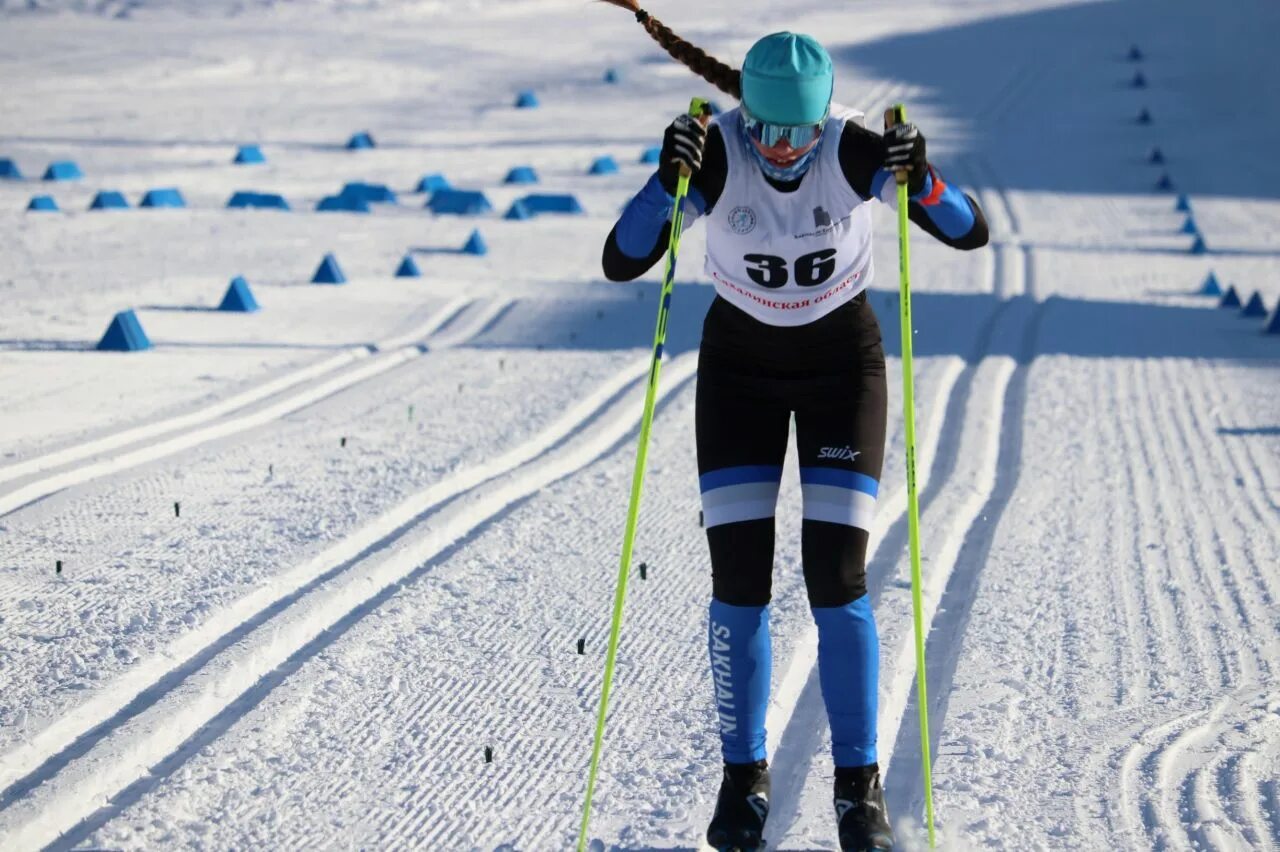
(620, 316)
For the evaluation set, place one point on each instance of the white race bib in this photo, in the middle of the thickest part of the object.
(788, 258)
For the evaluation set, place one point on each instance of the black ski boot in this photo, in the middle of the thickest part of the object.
(741, 809)
(861, 816)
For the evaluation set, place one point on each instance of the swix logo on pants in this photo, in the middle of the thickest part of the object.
(839, 453)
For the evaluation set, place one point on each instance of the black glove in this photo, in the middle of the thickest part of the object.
(904, 149)
(682, 145)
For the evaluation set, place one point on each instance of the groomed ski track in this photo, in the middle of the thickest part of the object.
(284, 395)
(265, 632)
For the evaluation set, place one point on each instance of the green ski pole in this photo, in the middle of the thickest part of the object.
(698, 109)
(897, 114)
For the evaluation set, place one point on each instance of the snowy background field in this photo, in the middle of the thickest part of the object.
(401, 500)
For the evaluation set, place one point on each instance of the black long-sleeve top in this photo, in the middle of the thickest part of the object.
(640, 237)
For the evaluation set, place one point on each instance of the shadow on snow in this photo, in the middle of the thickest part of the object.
(946, 324)
(1066, 119)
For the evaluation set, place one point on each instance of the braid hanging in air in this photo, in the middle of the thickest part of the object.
(724, 77)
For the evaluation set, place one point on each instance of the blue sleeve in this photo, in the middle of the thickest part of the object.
(640, 226)
(940, 208)
(947, 207)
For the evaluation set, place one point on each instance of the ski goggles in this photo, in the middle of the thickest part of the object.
(797, 135)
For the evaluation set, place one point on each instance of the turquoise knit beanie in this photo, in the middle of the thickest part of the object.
(787, 78)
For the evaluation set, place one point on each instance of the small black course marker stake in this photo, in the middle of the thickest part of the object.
(343, 441)
(57, 569)
(644, 571)
(488, 754)
(582, 646)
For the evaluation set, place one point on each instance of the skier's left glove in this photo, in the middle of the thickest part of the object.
(682, 145)
(904, 149)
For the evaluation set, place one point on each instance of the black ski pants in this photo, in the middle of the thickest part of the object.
(752, 377)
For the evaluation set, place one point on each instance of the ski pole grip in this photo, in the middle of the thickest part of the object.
(893, 116)
(699, 108)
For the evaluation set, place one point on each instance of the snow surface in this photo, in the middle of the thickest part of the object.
(315, 560)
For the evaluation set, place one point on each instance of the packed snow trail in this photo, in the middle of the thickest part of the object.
(315, 599)
(140, 442)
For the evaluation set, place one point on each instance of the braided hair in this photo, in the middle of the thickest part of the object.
(724, 77)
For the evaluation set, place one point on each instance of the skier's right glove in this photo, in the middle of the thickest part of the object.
(682, 145)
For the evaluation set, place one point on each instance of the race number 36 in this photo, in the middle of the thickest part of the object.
(769, 270)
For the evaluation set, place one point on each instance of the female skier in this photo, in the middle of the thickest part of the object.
(784, 182)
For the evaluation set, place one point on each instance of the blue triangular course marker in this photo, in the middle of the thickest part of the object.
(9, 169)
(1189, 226)
(475, 245)
(1254, 307)
(1230, 299)
(1144, 117)
(408, 268)
(63, 170)
(167, 197)
(431, 183)
(361, 141)
(1183, 205)
(651, 156)
(125, 334)
(552, 203)
(1273, 324)
(1211, 287)
(526, 100)
(611, 75)
(1156, 158)
(109, 199)
(372, 193)
(342, 204)
(44, 203)
(460, 202)
(1135, 54)
(1139, 81)
(238, 297)
(521, 174)
(519, 211)
(269, 200)
(247, 155)
(1198, 247)
(603, 166)
(329, 272)
(1165, 183)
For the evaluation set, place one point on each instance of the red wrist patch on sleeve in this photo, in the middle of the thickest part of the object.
(935, 195)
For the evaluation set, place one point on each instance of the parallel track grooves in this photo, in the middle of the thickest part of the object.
(138, 445)
(316, 607)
